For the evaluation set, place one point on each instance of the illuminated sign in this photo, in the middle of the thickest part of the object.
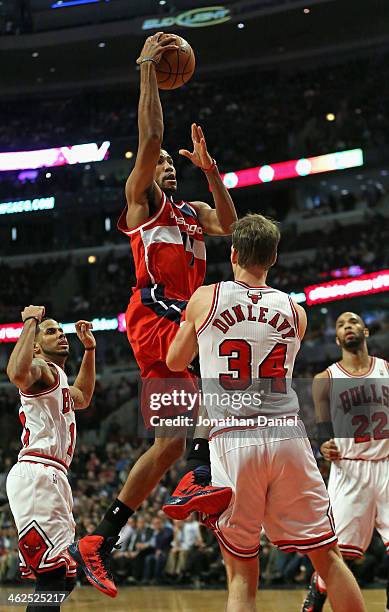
(59, 156)
(97, 325)
(9, 208)
(64, 3)
(195, 18)
(294, 168)
(376, 282)
(10, 332)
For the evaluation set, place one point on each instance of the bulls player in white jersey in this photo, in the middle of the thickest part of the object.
(351, 400)
(246, 332)
(38, 490)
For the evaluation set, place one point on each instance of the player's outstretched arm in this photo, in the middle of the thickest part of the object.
(215, 221)
(22, 369)
(184, 347)
(84, 385)
(140, 184)
(321, 400)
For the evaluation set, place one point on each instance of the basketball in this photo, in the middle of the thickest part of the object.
(176, 66)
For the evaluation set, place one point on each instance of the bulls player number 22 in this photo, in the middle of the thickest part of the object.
(362, 434)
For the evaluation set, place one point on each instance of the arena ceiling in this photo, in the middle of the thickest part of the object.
(104, 53)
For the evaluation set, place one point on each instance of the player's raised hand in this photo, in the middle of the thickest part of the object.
(199, 156)
(330, 451)
(155, 46)
(83, 329)
(37, 312)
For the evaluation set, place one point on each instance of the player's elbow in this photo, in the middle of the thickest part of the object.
(82, 403)
(16, 377)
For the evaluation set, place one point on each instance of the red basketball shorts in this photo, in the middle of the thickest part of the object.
(152, 322)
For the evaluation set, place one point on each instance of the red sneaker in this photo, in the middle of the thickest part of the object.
(315, 599)
(92, 553)
(193, 493)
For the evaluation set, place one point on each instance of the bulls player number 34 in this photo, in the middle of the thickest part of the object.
(240, 365)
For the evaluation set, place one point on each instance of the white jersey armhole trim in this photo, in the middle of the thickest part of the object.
(212, 310)
(133, 230)
(296, 319)
(330, 378)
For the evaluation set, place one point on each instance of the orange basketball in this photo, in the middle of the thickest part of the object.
(176, 66)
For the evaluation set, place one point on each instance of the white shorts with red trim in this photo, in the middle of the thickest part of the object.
(41, 503)
(359, 493)
(277, 486)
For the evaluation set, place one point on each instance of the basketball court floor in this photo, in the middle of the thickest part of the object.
(155, 599)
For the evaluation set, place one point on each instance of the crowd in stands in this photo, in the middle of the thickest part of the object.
(103, 288)
(261, 118)
(152, 549)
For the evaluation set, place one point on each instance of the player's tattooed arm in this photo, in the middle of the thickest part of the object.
(184, 347)
(216, 221)
(23, 369)
(84, 385)
(140, 184)
(321, 400)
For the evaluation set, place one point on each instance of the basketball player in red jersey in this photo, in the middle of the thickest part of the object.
(167, 240)
(38, 490)
(248, 335)
(351, 400)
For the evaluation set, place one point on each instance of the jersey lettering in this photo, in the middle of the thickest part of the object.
(67, 402)
(239, 313)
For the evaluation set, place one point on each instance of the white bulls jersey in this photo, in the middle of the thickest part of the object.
(247, 347)
(360, 411)
(49, 424)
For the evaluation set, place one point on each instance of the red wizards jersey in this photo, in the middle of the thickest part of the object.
(168, 250)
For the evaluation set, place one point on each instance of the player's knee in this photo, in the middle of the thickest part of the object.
(170, 449)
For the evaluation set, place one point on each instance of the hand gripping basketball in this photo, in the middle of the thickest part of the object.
(155, 46)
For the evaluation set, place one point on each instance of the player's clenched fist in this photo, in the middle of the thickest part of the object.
(36, 312)
(83, 329)
(330, 451)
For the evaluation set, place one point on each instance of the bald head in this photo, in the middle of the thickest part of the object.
(351, 331)
(350, 315)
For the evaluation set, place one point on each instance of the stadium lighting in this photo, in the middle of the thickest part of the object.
(59, 156)
(366, 284)
(294, 168)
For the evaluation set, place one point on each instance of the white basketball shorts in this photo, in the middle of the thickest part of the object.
(41, 503)
(276, 485)
(359, 493)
